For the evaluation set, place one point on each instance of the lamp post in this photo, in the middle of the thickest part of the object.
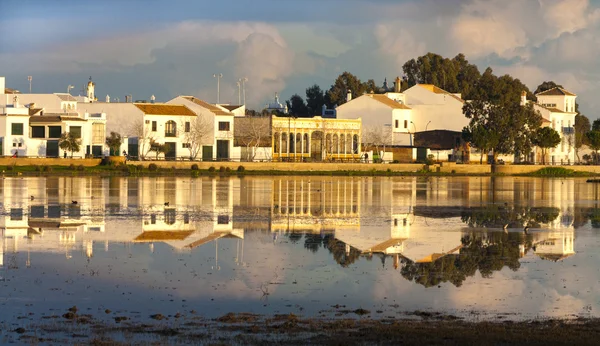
(239, 85)
(427, 125)
(413, 136)
(29, 78)
(69, 89)
(243, 82)
(218, 76)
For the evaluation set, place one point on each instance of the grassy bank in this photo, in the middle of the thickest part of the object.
(194, 170)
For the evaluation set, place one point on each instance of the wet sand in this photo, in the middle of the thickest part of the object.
(251, 329)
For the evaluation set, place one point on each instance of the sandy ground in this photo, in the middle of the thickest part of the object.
(244, 329)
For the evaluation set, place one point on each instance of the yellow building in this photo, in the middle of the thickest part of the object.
(316, 139)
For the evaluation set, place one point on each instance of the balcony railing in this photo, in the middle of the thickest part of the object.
(568, 130)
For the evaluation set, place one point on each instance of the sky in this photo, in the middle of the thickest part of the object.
(170, 48)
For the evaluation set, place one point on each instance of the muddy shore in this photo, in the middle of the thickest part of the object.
(245, 329)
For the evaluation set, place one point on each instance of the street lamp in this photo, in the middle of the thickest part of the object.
(413, 136)
(427, 125)
(29, 78)
(243, 82)
(218, 76)
(69, 88)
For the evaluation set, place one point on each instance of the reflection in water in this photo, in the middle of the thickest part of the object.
(428, 230)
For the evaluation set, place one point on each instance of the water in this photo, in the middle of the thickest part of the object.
(312, 246)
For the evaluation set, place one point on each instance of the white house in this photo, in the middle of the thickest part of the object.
(420, 108)
(217, 142)
(557, 107)
(32, 124)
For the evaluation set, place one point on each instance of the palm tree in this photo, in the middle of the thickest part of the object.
(68, 142)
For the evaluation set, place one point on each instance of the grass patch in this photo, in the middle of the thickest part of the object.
(557, 172)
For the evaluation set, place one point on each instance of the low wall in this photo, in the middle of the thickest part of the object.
(43, 161)
(524, 169)
(288, 166)
(449, 167)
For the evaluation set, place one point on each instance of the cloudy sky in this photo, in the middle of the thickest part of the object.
(174, 47)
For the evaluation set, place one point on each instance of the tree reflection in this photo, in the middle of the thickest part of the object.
(497, 216)
(486, 252)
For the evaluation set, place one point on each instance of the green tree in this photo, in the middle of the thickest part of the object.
(315, 99)
(582, 126)
(544, 138)
(68, 142)
(344, 83)
(481, 138)
(497, 108)
(297, 107)
(114, 141)
(593, 138)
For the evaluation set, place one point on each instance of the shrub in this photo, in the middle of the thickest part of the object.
(80, 168)
(222, 169)
(37, 168)
(195, 167)
(454, 171)
(72, 167)
(46, 169)
(10, 168)
(140, 168)
(241, 169)
(152, 167)
(211, 169)
(227, 169)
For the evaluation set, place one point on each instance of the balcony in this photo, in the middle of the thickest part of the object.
(568, 130)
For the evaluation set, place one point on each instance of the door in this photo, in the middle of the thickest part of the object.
(421, 154)
(51, 148)
(207, 153)
(222, 150)
(171, 152)
(96, 150)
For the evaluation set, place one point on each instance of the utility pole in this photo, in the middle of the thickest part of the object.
(218, 76)
(239, 85)
(243, 81)
(29, 78)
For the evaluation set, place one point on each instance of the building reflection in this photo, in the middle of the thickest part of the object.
(432, 230)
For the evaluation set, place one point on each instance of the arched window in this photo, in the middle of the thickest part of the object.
(170, 129)
(355, 144)
(292, 144)
(276, 143)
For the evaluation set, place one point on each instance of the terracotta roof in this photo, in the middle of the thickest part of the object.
(388, 101)
(231, 107)
(34, 111)
(53, 118)
(65, 97)
(11, 91)
(556, 92)
(150, 236)
(164, 109)
(382, 247)
(207, 239)
(437, 90)
(214, 109)
(553, 257)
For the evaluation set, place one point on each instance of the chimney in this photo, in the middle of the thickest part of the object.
(107, 98)
(16, 101)
(349, 96)
(523, 98)
(397, 85)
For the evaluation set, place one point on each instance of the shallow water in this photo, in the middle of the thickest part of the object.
(312, 246)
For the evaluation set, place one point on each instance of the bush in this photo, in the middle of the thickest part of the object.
(211, 169)
(227, 169)
(37, 168)
(46, 169)
(80, 168)
(195, 167)
(140, 168)
(222, 169)
(152, 167)
(10, 168)
(72, 167)
(241, 169)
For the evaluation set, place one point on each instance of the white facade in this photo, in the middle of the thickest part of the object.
(420, 108)
(218, 143)
(557, 106)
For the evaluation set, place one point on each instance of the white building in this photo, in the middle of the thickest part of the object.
(217, 143)
(32, 124)
(420, 108)
(557, 107)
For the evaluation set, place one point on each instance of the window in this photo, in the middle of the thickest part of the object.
(223, 126)
(186, 145)
(20, 145)
(54, 131)
(187, 126)
(222, 219)
(405, 124)
(17, 129)
(37, 211)
(75, 131)
(153, 219)
(170, 129)
(16, 214)
(14, 144)
(396, 124)
(38, 132)
(98, 135)
(153, 126)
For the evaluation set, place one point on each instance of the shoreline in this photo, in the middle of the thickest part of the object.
(247, 328)
(196, 169)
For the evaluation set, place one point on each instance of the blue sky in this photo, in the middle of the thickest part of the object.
(168, 48)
